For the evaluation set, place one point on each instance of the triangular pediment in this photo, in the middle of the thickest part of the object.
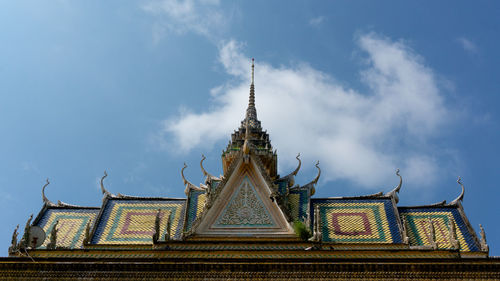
(244, 207)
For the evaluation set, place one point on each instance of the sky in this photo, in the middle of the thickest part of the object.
(137, 88)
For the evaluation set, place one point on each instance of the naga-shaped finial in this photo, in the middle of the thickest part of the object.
(461, 196)
(314, 181)
(395, 191)
(298, 167)
(103, 189)
(46, 201)
(205, 173)
(291, 177)
(187, 184)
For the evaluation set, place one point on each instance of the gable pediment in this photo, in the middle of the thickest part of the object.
(244, 207)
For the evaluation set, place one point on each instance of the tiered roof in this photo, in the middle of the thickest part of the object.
(250, 211)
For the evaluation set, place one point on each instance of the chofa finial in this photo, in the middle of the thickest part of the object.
(461, 196)
(103, 189)
(315, 181)
(298, 167)
(395, 191)
(208, 176)
(188, 184)
(311, 184)
(205, 173)
(46, 201)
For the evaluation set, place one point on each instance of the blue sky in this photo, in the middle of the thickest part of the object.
(139, 87)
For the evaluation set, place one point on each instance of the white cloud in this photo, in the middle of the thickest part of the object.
(203, 17)
(317, 21)
(361, 137)
(467, 44)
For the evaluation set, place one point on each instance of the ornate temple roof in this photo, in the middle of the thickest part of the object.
(250, 207)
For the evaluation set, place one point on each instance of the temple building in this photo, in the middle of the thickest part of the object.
(249, 223)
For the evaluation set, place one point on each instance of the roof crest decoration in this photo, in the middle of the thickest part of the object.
(205, 173)
(188, 184)
(315, 180)
(290, 177)
(46, 201)
(298, 167)
(461, 196)
(49, 203)
(103, 189)
(395, 191)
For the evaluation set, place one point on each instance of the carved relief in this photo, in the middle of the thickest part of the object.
(245, 209)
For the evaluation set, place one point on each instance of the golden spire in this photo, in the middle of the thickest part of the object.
(251, 115)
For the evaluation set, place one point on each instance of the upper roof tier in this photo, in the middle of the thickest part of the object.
(257, 140)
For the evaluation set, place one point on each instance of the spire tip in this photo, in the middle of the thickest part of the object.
(253, 66)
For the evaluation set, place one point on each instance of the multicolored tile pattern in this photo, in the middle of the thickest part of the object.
(282, 186)
(417, 225)
(70, 227)
(196, 201)
(357, 220)
(298, 200)
(126, 221)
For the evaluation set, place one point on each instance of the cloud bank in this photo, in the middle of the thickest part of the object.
(357, 136)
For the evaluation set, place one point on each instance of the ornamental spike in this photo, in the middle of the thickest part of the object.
(187, 184)
(103, 189)
(483, 244)
(315, 181)
(395, 191)
(298, 167)
(46, 201)
(461, 196)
